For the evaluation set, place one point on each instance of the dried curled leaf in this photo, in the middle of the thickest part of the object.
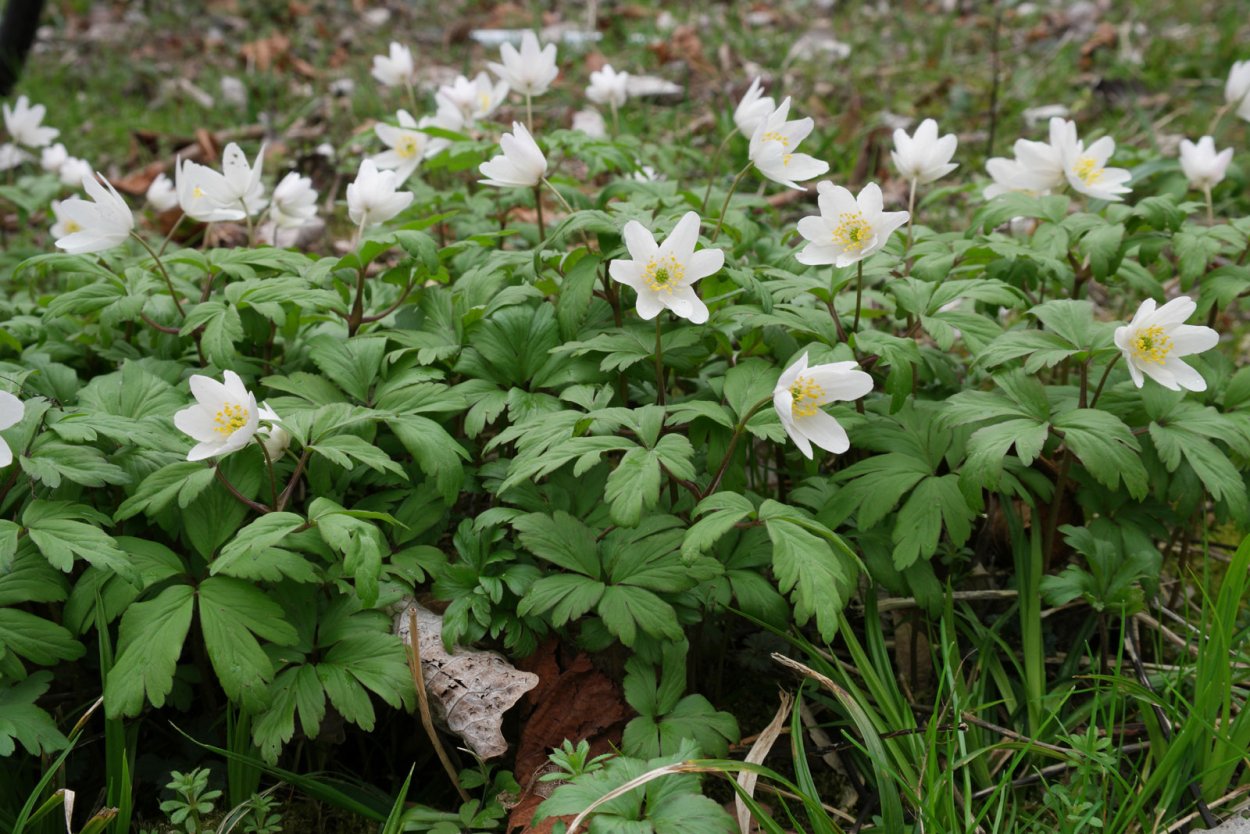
(469, 690)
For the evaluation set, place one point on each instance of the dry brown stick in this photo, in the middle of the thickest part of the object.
(958, 596)
(1184, 822)
(423, 702)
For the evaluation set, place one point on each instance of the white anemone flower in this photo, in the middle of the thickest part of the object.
(1086, 167)
(395, 69)
(12, 156)
(590, 122)
(774, 147)
(753, 109)
(1203, 166)
(73, 170)
(530, 71)
(405, 145)
(224, 418)
(53, 157)
(161, 194)
(24, 122)
(800, 393)
(1037, 167)
(96, 225)
(607, 86)
(848, 228)
(924, 157)
(1237, 87)
(272, 436)
(476, 99)
(664, 275)
(1156, 339)
(521, 165)
(373, 197)
(294, 202)
(211, 196)
(11, 412)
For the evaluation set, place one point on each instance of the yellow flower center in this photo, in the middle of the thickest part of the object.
(1087, 170)
(774, 136)
(853, 231)
(806, 394)
(407, 147)
(70, 227)
(198, 192)
(483, 101)
(230, 419)
(1151, 345)
(663, 274)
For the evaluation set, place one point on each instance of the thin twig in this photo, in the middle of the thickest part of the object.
(423, 702)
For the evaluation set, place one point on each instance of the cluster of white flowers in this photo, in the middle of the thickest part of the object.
(1044, 167)
(848, 229)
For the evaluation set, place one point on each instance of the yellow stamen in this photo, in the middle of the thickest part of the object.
(70, 227)
(1087, 170)
(664, 274)
(806, 394)
(198, 192)
(774, 136)
(785, 158)
(853, 231)
(1151, 345)
(407, 147)
(483, 101)
(230, 419)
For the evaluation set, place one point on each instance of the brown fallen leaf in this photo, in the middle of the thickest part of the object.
(469, 689)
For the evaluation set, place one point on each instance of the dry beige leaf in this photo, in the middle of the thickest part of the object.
(469, 689)
(756, 755)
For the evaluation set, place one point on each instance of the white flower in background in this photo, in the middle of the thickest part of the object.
(753, 109)
(203, 193)
(62, 227)
(294, 202)
(521, 165)
(12, 156)
(1034, 116)
(530, 71)
(231, 194)
(272, 436)
(476, 99)
(73, 170)
(242, 179)
(96, 225)
(664, 275)
(1237, 87)
(53, 157)
(590, 122)
(161, 194)
(774, 147)
(373, 198)
(395, 69)
(25, 124)
(406, 146)
(11, 412)
(801, 392)
(1203, 167)
(646, 173)
(1086, 168)
(234, 92)
(224, 418)
(1037, 168)
(923, 157)
(1156, 339)
(607, 86)
(848, 228)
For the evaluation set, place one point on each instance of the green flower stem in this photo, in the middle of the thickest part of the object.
(833, 309)
(529, 112)
(538, 206)
(273, 482)
(1206, 192)
(733, 444)
(659, 365)
(724, 208)
(1106, 373)
(859, 293)
(164, 274)
(285, 497)
(1219, 117)
(243, 499)
(911, 216)
(170, 236)
(720, 149)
